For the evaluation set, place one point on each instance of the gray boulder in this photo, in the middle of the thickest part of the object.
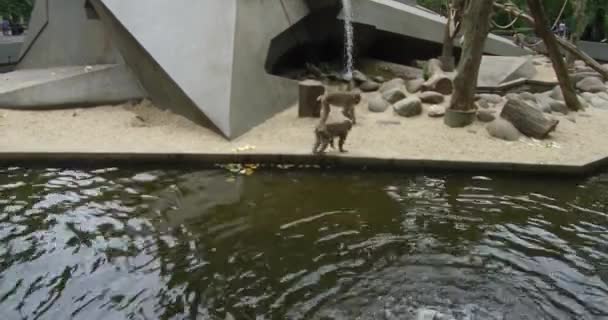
(559, 106)
(377, 104)
(415, 85)
(602, 95)
(591, 85)
(483, 104)
(576, 77)
(379, 79)
(490, 98)
(359, 77)
(431, 97)
(543, 103)
(503, 129)
(393, 95)
(588, 96)
(485, 115)
(369, 86)
(396, 83)
(436, 111)
(527, 96)
(556, 94)
(408, 107)
(599, 103)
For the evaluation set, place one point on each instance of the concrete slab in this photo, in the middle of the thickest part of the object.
(401, 18)
(496, 70)
(596, 50)
(68, 86)
(10, 49)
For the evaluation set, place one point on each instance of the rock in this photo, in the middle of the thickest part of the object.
(483, 104)
(527, 96)
(559, 106)
(588, 96)
(431, 97)
(436, 111)
(377, 104)
(602, 95)
(543, 103)
(359, 77)
(512, 96)
(503, 129)
(379, 79)
(599, 103)
(605, 66)
(393, 95)
(490, 98)
(396, 83)
(415, 85)
(583, 102)
(408, 107)
(556, 94)
(485, 116)
(369, 86)
(576, 77)
(591, 84)
(579, 64)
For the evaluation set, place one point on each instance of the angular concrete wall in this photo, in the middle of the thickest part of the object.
(68, 86)
(415, 22)
(62, 35)
(213, 52)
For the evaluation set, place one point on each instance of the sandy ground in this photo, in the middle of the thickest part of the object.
(146, 129)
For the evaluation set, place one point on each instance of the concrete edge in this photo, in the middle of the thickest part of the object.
(337, 161)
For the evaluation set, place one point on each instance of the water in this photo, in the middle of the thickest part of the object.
(178, 244)
(349, 36)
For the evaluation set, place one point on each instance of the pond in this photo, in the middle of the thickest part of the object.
(121, 243)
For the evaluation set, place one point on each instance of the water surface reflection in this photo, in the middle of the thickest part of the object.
(177, 244)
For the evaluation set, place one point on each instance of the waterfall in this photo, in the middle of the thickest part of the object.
(349, 35)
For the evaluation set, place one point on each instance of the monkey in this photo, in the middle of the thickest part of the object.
(326, 132)
(346, 100)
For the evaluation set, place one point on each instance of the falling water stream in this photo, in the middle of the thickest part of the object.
(349, 36)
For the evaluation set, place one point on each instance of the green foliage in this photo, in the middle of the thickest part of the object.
(16, 8)
(552, 7)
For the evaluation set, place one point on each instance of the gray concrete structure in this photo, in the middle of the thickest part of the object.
(596, 50)
(61, 34)
(207, 60)
(416, 22)
(10, 49)
(496, 70)
(68, 86)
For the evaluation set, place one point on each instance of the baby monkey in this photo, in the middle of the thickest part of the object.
(325, 134)
(346, 100)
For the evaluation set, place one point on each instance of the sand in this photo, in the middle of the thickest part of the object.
(144, 128)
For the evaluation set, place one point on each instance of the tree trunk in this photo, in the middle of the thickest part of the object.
(309, 104)
(580, 6)
(542, 30)
(476, 22)
(437, 81)
(527, 119)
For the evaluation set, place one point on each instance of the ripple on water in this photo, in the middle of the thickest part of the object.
(116, 243)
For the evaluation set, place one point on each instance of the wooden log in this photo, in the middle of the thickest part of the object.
(309, 105)
(438, 81)
(527, 119)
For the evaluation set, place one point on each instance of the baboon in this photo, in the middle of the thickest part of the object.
(346, 100)
(326, 132)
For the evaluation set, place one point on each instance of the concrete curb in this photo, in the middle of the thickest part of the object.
(337, 161)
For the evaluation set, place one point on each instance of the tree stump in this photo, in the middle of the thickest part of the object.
(527, 119)
(437, 81)
(309, 104)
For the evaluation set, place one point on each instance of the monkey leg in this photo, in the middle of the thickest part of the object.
(317, 143)
(349, 112)
(341, 142)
